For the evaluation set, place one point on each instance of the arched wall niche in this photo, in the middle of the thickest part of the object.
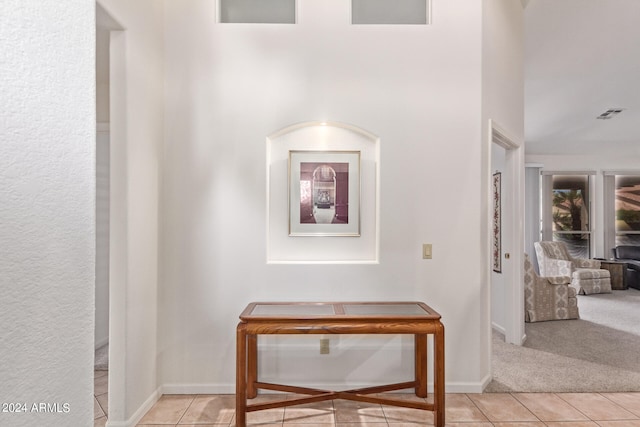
(321, 138)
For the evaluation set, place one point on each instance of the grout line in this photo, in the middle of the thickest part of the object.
(621, 407)
(515, 396)
(193, 399)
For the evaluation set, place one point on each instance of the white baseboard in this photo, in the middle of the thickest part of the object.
(485, 382)
(101, 343)
(498, 328)
(137, 416)
(198, 388)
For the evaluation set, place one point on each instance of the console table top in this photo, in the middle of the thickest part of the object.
(388, 310)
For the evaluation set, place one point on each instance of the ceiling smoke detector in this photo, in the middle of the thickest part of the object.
(610, 113)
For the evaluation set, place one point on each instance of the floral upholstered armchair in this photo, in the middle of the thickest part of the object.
(586, 275)
(547, 298)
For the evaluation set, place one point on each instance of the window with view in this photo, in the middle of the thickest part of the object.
(627, 208)
(568, 216)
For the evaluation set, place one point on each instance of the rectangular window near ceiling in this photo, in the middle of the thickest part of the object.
(390, 12)
(627, 208)
(570, 213)
(258, 11)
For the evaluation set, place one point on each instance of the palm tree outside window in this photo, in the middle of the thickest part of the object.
(568, 212)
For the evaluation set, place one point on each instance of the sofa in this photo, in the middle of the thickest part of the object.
(631, 256)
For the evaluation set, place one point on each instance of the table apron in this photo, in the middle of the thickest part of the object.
(272, 328)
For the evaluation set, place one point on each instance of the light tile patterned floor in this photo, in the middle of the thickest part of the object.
(463, 410)
(100, 397)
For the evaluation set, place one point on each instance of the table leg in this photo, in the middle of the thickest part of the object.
(420, 348)
(241, 375)
(438, 378)
(252, 365)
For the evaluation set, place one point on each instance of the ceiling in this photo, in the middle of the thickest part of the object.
(582, 57)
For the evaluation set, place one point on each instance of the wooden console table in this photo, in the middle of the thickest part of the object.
(414, 318)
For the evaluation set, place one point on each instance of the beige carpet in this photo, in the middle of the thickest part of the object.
(600, 352)
(101, 359)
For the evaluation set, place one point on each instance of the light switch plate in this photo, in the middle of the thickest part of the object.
(426, 251)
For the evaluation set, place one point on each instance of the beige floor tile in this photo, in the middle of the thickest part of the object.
(97, 410)
(459, 408)
(596, 406)
(620, 423)
(98, 374)
(472, 424)
(363, 424)
(210, 409)
(521, 424)
(267, 417)
(502, 407)
(168, 409)
(286, 424)
(358, 412)
(103, 400)
(399, 415)
(572, 424)
(100, 422)
(233, 424)
(629, 401)
(101, 385)
(319, 413)
(396, 415)
(409, 424)
(549, 407)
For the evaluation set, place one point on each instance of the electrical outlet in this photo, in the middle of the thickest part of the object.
(324, 346)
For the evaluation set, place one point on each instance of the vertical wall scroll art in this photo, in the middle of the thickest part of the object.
(497, 238)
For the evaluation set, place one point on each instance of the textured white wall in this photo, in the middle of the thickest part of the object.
(47, 194)
(229, 86)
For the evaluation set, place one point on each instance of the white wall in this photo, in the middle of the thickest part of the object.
(532, 211)
(503, 104)
(229, 86)
(101, 335)
(136, 115)
(47, 196)
(599, 163)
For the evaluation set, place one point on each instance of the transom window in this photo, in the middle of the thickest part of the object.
(258, 11)
(390, 12)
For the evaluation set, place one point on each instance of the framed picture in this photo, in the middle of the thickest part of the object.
(497, 232)
(324, 193)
